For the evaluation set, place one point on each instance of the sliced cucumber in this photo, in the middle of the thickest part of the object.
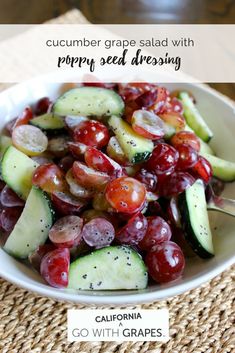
(194, 219)
(48, 121)
(204, 147)
(194, 118)
(222, 169)
(17, 170)
(109, 268)
(89, 101)
(32, 228)
(5, 142)
(136, 148)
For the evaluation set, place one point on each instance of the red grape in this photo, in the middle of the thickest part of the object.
(147, 178)
(76, 189)
(147, 124)
(58, 146)
(188, 157)
(174, 119)
(77, 149)
(66, 163)
(173, 212)
(186, 137)
(101, 162)
(146, 99)
(176, 183)
(49, 178)
(66, 232)
(203, 170)
(88, 177)
(126, 194)
(42, 106)
(24, 118)
(9, 218)
(134, 231)
(166, 262)
(175, 105)
(163, 160)
(157, 232)
(98, 233)
(2, 185)
(9, 126)
(55, 267)
(9, 198)
(73, 121)
(92, 133)
(160, 102)
(36, 257)
(66, 204)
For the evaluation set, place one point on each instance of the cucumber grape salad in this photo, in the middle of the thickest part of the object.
(104, 189)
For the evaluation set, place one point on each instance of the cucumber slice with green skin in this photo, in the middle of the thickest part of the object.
(194, 219)
(109, 268)
(194, 118)
(17, 171)
(222, 169)
(136, 148)
(32, 228)
(89, 101)
(48, 121)
(204, 147)
(5, 142)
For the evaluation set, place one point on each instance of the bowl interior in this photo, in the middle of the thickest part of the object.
(220, 116)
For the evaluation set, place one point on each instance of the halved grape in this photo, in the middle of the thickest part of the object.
(77, 149)
(98, 233)
(100, 202)
(134, 231)
(99, 161)
(55, 267)
(66, 232)
(147, 124)
(9, 198)
(186, 137)
(29, 140)
(66, 204)
(49, 178)
(88, 177)
(126, 194)
(76, 189)
(58, 146)
(115, 151)
(73, 121)
(174, 119)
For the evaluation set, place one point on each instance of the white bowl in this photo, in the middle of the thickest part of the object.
(219, 114)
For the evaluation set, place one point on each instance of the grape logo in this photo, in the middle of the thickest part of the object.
(118, 325)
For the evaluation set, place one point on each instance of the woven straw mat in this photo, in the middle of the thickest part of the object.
(201, 321)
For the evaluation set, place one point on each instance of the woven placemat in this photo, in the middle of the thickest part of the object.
(201, 321)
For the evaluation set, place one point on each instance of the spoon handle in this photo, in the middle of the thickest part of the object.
(222, 205)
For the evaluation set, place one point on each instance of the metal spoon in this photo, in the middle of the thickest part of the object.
(217, 203)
